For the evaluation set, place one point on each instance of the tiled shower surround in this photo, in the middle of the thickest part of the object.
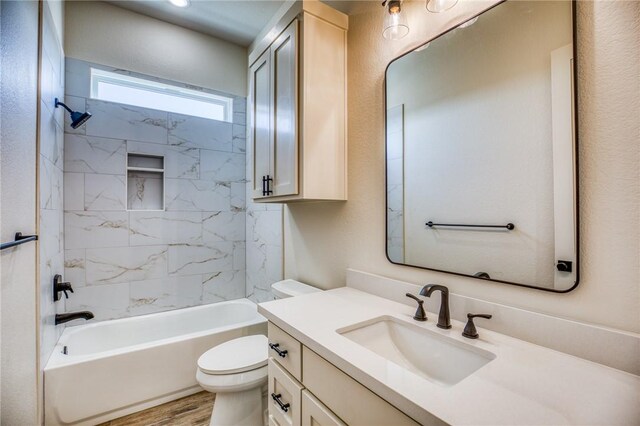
(395, 183)
(124, 263)
(51, 188)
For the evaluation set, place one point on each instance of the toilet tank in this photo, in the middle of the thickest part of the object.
(291, 288)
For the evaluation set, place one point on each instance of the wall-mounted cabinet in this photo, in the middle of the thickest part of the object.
(297, 107)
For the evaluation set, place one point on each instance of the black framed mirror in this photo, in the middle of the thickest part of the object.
(481, 149)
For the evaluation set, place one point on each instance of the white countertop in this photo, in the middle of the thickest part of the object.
(524, 384)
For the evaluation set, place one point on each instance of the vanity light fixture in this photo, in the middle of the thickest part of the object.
(180, 3)
(468, 23)
(437, 6)
(395, 22)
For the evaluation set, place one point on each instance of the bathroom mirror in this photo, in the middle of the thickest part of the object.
(481, 149)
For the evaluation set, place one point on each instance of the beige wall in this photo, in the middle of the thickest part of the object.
(18, 277)
(323, 239)
(105, 34)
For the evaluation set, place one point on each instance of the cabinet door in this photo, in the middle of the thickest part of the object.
(314, 412)
(285, 396)
(354, 403)
(260, 122)
(284, 82)
(292, 359)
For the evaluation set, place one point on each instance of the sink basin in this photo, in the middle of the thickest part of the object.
(424, 352)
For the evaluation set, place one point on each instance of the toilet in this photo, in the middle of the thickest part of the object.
(236, 371)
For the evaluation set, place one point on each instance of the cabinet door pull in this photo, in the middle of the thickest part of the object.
(264, 188)
(276, 347)
(284, 407)
(269, 181)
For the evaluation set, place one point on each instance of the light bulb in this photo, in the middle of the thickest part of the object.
(437, 6)
(395, 22)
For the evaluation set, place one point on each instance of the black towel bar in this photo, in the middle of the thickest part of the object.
(509, 226)
(18, 239)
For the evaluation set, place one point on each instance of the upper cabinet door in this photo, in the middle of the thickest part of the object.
(284, 83)
(260, 123)
(302, 112)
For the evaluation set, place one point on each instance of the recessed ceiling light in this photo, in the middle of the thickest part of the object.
(180, 3)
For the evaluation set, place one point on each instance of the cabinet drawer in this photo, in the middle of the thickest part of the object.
(288, 391)
(362, 407)
(292, 359)
(314, 413)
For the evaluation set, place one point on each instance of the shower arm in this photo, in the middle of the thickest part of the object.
(63, 105)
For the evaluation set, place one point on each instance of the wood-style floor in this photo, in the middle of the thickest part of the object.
(194, 410)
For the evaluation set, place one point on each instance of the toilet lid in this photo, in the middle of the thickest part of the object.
(235, 356)
(291, 288)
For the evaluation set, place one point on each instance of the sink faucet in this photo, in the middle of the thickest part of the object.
(444, 318)
(70, 316)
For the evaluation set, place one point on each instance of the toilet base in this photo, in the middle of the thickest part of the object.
(243, 408)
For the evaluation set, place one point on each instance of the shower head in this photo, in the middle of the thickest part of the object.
(77, 118)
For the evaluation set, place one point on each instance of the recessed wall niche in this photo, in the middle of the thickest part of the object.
(145, 182)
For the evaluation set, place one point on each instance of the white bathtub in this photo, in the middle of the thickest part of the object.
(118, 367)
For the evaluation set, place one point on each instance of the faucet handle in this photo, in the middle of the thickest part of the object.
(68, 289)
(420, 314)
(59, 286)
(470, 331)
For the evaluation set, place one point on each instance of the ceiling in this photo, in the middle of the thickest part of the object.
(237, 21)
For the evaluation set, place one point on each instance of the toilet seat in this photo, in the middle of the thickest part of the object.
(237, 372)
(239, 355)
(218, 383)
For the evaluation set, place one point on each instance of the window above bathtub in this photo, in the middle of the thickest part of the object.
(124, 89)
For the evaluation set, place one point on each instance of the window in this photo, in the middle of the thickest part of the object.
(114, 87)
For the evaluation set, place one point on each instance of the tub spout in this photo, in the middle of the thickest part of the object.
(70, 316)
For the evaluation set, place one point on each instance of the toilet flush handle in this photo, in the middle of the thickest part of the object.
(276, 347)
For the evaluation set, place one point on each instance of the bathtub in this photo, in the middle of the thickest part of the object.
(114, 368)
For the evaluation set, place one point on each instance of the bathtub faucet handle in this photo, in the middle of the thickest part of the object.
(59, 286)
(65, 291)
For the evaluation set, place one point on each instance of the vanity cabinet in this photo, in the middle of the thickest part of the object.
(297, 107)
(315, 412)
(320, 393)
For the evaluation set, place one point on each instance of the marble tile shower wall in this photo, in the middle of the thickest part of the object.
(50, 181)
(124, 263)
(264, 254)
(264, 244)
(395, 184)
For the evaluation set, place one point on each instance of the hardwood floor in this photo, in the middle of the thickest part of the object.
(194, 410)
